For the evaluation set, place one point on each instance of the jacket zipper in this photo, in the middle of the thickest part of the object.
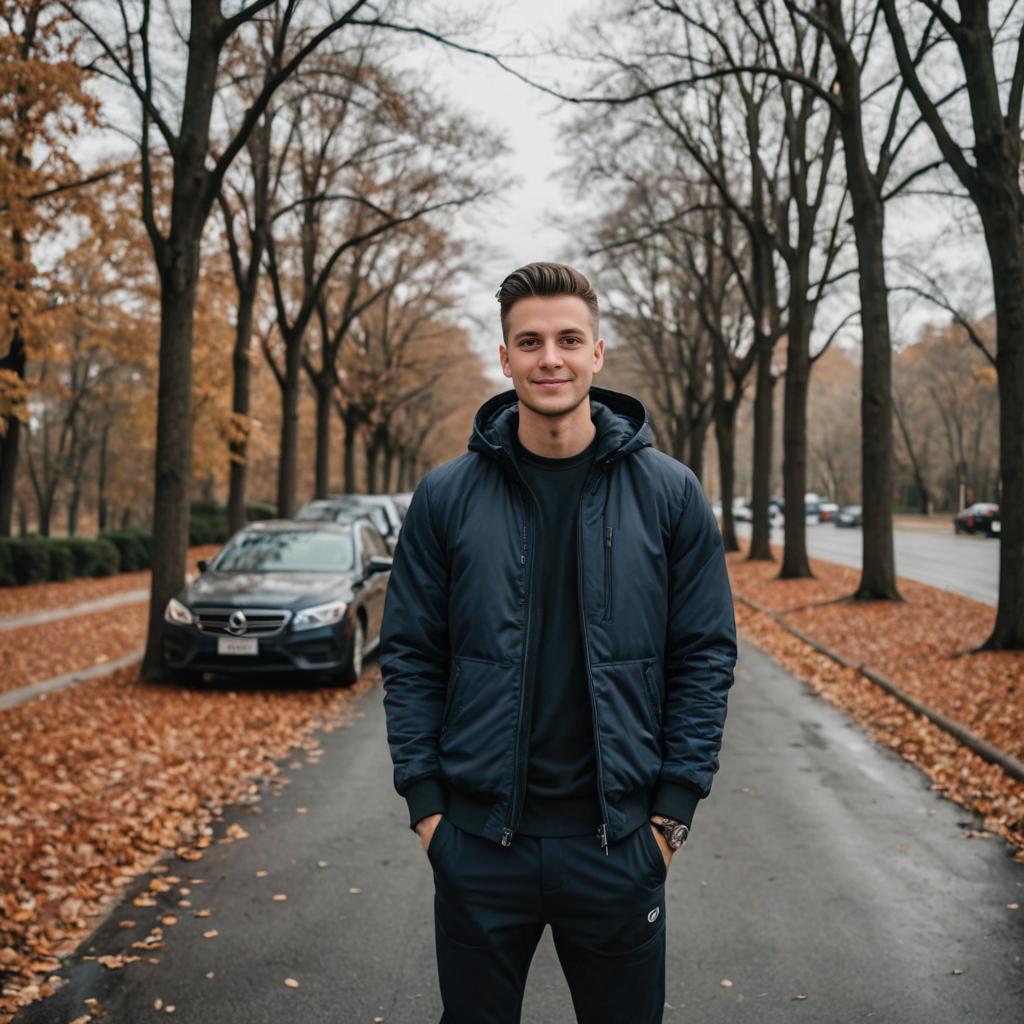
(525, 559)
(602, 829)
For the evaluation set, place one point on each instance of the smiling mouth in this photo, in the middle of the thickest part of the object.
(550, 383)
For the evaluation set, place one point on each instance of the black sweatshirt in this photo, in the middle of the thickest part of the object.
(561, 780)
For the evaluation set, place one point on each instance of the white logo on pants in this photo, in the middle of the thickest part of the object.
(653, 915)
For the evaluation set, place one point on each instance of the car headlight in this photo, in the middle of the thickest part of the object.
(177, 613)
(321, 615)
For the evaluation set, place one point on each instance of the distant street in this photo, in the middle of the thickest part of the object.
(824, 882)
(967, 565)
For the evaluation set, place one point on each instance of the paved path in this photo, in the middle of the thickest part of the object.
(965, 564)
(821, 866)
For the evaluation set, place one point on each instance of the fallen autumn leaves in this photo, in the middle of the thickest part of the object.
(100, 780)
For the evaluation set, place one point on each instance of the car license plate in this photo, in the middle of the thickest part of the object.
(237, 645)
(997, 527)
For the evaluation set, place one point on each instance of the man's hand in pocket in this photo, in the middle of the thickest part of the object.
(425, 829)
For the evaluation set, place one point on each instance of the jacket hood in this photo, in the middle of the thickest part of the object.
(621, 421)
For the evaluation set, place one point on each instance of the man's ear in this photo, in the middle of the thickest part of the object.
(503, 357)
(598, 355)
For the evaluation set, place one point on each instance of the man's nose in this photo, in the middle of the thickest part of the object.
(551, 354)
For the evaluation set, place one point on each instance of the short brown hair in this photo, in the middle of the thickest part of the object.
(544, 279)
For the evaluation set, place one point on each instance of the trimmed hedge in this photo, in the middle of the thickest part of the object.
(31, 558)
(133, 551)
(7, 577)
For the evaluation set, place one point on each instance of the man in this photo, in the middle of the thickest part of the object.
(557, 649)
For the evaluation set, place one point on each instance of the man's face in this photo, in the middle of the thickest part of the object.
(551, 354)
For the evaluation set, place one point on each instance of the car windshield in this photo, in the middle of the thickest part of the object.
(288, 551)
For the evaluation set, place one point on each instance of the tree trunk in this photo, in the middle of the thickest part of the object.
(760, 540)
(173, 442)
(44, 505)
(698, 435)
(403, 469)
(238, 447)
(920, 485)
(73, 500)
(351, 434)
(288, 455)
(101, 480)
(373, 451)
(177, 259)
(10, 441)
(878, 560)
(324, 386)
(794, 432)
(878, 573)
(725, 439)
(387, 465)
(1006, 249)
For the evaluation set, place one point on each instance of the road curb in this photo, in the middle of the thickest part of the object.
(22, 694)
(1009, 764)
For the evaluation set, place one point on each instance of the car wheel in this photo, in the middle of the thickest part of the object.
(354, 666)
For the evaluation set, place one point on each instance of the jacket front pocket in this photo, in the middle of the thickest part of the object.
(607, 616)
(629, 734)
(476, 748)
(653, 694)
(449, 699)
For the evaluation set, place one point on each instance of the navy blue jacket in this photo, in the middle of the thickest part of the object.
(659, 635)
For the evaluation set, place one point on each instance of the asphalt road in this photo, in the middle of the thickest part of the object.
(965, 564)
(823, 879)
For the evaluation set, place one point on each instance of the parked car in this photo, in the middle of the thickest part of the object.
(380, 508)
(402, 501)
(282, 596)
(827, 511)
(849, 516)
(742, 511)
(981, 517)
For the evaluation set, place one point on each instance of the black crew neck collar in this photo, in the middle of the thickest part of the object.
(544, 462)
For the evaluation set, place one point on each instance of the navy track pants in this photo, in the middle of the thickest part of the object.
(606, 911)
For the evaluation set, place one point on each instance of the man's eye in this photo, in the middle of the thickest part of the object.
(575, 341)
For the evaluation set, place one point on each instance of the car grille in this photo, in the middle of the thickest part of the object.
(258, 621)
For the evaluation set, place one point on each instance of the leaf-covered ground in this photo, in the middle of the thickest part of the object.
(921, 644)
(34, 653)
(100, 780)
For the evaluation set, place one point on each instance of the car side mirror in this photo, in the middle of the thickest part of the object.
(379, 563)
(202, 565)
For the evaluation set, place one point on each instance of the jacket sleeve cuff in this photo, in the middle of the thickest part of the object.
(675, 800)
(424, 797)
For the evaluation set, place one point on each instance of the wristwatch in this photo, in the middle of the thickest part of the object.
(675, 832)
